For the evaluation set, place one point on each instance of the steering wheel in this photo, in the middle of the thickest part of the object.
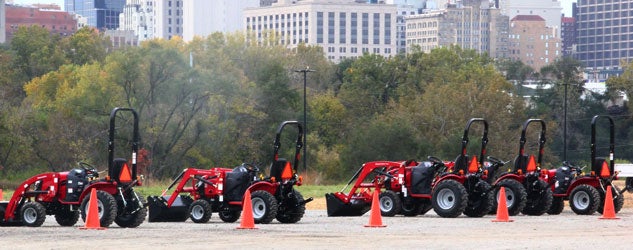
(435, 160)
(90, 170)
(250, 167)
(495, 160)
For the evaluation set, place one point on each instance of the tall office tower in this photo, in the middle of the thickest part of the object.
(550, 10)
(405, 8)
(343, 28)
(202, 18)
(138, 17)
(169, 18)
(604, 35)
(474, 25)
(533, 43)
(102, 14)
(568, 35)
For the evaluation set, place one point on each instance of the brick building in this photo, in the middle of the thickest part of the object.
(55, 21)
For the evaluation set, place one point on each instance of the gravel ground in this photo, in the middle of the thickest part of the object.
(317, 231)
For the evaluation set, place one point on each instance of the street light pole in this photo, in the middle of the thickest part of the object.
(305, 114)
(565, 125)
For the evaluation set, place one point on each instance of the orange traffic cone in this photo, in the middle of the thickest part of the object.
(375, 218)
(502, 208)
(248, 222)
(92, 215)
(609, 211)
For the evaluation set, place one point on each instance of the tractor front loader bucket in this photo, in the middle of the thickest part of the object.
(159, 211)
(336, 207)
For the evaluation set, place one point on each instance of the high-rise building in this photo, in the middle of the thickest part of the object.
(533, 43)
(101, 14)
(550, 10)
(344, 29)
(604, 35)
(405, 8)
(568, 35)
(472, 25)
(202, 18)
(169, 18)
(138, 17)
(3, 29)
(57, 22)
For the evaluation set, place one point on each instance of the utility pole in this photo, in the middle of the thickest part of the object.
(305, 114)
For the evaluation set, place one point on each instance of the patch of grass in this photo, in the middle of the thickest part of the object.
(317, 191)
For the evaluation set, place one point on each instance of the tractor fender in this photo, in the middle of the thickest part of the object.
(108, 187)
(451, 176)
(519, 178)
(264, 185)
(591, 181)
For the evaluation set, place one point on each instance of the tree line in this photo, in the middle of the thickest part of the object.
(217, 100)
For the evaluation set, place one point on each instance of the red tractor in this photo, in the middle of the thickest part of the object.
(526, 191)
(413, 188)
(586, 192)
(201, 192)
(65, 194)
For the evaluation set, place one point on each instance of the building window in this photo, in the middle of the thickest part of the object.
(319, 27)
(354, 28)
(342, 26)
(387, 28)
(365, 28)
(376, 28)
(330, 29)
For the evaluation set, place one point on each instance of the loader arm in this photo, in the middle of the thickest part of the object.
(187, 175)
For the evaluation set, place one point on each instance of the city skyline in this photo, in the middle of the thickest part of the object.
(566, 4)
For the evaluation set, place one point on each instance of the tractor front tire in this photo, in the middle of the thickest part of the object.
(135, 219)
(516, 196)
(539, 200)
(584, 199)
(200, 211)
(229, 216)
(264, 207)
(293, 212)
(557, 207)
(33, 214)
(106, 205)
(449, 198)
(480, 200)
(390, 203)
(67, 218)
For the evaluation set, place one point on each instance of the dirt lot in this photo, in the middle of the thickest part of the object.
(317, 231)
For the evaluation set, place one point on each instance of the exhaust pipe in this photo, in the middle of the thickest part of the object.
(160, 212)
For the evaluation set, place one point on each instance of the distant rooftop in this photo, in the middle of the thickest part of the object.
(527, 18)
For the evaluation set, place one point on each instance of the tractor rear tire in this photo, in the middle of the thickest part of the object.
(106, 205)
(200, 211)
(516, 196)
(292, 212)
(480, 200)
(33, 214)
(449, 198)
(539, 199)
(229, 216)
(390, 203)
(412, 208)
(132, 220)
(67, 218)
(265, 207)
(557, 207)
(584, 199)
(618, 201)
